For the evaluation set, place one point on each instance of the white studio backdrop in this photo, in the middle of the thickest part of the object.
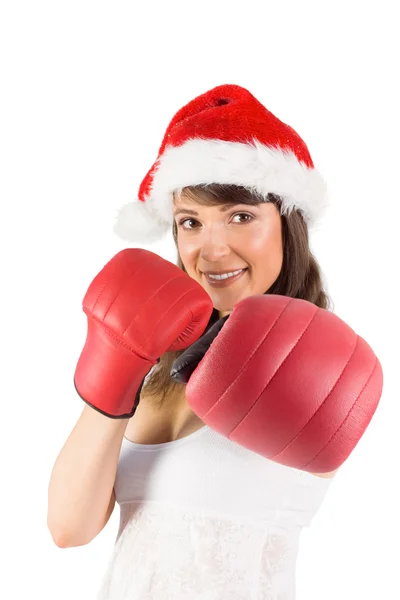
(88, 89)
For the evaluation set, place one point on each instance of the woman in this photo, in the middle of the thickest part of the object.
(204, 514)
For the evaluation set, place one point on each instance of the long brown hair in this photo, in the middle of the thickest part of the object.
(300, 276)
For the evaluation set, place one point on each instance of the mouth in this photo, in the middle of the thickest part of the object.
(225, 280)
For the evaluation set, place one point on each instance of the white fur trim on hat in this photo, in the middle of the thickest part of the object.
(257, 167)
(135, 223)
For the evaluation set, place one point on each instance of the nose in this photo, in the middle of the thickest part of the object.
(214, 247)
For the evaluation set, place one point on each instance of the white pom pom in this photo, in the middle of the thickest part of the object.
(134, 223)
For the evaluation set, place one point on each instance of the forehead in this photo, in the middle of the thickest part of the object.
(192, 207)
(196, 202)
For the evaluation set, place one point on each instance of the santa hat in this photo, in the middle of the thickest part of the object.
(224, 136)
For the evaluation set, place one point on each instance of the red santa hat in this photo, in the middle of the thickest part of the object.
(224, 136)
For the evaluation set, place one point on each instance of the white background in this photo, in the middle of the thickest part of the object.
(87, 90)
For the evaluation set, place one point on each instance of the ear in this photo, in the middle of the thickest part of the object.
(187, 362)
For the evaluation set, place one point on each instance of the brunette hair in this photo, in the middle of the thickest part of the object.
(300, 276)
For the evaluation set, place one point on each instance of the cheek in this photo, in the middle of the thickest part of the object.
(187, 253)
(266, 247)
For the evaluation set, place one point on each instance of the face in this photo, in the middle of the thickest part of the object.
(227, 238)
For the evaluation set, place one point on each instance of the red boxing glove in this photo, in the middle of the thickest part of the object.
(138, 307)
(286, 379)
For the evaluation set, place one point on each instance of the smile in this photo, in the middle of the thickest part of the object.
(225, 279)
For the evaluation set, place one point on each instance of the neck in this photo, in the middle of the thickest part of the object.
(223, 313)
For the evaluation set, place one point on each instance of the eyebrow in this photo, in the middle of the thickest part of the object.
(222, 208)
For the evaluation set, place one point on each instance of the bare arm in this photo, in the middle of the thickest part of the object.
(81, 490)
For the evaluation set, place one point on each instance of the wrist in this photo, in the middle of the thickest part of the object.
(95, 420)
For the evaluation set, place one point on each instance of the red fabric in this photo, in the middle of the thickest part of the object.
(138, 307)
(289, 381)
(229, 113)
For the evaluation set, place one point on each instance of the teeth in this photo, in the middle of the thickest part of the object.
(225, 275)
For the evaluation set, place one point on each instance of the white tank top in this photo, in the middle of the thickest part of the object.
(203, 518)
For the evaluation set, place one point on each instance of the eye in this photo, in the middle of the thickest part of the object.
(249, 217)
(182, 221)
